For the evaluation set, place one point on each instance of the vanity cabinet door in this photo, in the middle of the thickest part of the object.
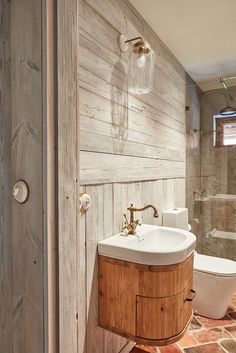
(162, 318)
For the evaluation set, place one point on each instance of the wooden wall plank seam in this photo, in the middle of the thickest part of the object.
(49, 24)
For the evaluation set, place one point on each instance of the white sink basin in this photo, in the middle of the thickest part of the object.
(152, 245)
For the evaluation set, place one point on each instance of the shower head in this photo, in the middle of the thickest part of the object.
(228, 110)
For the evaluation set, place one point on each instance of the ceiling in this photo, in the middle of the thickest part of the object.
(200, 33)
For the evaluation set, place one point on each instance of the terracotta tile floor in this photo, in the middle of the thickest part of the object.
(203, 336)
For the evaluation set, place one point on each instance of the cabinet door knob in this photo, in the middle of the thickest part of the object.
(20, 191)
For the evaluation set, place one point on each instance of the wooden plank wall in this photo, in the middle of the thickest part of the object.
(104, 218)
(68, 170)
(132, 147)
(125, 137)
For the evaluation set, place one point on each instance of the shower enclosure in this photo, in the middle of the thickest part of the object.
(211, 170)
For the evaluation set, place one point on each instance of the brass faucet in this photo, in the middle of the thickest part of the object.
(132, 224)
(198, 192)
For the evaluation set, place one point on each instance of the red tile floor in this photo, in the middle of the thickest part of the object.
(203, 336)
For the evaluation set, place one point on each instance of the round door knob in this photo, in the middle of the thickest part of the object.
(84, 202)
(20, 191)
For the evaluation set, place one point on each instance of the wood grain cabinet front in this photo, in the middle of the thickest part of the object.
(147, 304)
(162, 318)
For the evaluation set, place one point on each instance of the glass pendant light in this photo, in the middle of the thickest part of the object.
(141, 72)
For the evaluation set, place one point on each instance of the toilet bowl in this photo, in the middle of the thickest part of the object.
(215, 282)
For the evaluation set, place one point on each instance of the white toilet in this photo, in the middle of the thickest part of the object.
(215, 282)
(214, 277)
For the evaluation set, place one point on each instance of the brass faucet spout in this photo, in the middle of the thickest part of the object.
(132, 225)
(155, 214)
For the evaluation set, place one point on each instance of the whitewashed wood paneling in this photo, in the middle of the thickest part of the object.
(106, 167)
(103, 219)
(132, 148)
(68, 191)
(114, 122)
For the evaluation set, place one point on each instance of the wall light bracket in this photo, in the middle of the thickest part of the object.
(140, 47)
(123, 43)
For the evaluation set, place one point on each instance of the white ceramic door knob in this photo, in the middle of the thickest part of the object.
(20, 191)
(85, 202)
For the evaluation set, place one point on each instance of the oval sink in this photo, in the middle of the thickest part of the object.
(152, 245)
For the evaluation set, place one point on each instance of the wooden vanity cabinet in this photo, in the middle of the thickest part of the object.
(148, 304)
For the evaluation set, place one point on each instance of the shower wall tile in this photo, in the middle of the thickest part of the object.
(218, 247)
(218, 165)
(218, 176)
(232, 170)
(223, 215)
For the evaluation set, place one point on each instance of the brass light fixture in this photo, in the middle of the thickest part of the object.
(228, 110)
(141, 73)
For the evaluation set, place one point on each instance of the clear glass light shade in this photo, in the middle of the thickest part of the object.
(141, 72)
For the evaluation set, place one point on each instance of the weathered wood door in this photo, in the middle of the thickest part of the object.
(22, 151)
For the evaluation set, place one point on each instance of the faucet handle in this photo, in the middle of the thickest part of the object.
(125, 223)
(131, 206)
(126, 220)
(137, 222)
